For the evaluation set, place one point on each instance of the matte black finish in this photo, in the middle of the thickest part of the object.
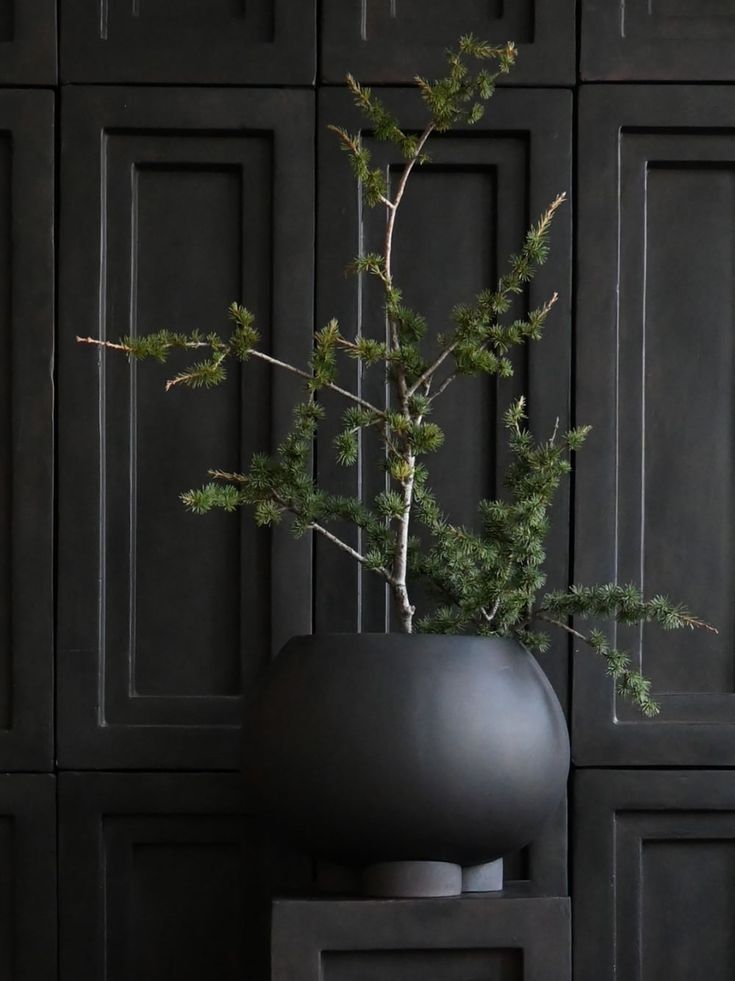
(502, 938)
(381, 41)
(462, 215)
(654, 489)
(28, 42)
(165, 876)
(196, 199)
(654, 880)
(27, 877)
(26, 429)
(538, 869)
(261, 42)
(669, 40)
(376, 748)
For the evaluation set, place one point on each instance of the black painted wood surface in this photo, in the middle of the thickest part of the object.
(654, 490)
(26, 429)
(28, 39)
(262, 42)
(654, 879)
(28, 909)
(165, 876)
(196, 199)
(389, 41)
(665, 40)
(501, 938)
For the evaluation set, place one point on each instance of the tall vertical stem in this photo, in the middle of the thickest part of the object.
(400, 558)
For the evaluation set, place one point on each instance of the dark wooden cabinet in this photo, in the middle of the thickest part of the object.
(388, 41)
(654, 491)
(654, 879)
(28, 42)
(665, 40)
(509, 938)
(264, 42)
(28, 877)
(195, 200)
(26, 429)
(163, 875)
(177, 160)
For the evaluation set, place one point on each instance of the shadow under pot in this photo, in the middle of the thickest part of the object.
(421, 759)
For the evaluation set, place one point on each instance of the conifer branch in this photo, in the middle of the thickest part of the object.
(243, 479)
(183, 377)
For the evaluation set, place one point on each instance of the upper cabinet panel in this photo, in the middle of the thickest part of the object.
(188, 41)
(393, 40)
(26, 429)
(175, 203)
(676, 40)
(27, 42)
(655, 489)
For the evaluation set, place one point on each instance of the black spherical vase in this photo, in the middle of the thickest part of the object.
(411, 755)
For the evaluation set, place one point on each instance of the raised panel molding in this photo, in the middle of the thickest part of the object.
(176, 203)
(27, 42)
(27, 877)
(26, 429)
(478, 938)
(463, 214)
(164, 875)
(676, 40)
(392, 40)
(654, 339)
(654, 875)
(262, 42)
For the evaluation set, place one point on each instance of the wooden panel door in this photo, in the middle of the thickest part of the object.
(654, 488)
(176, 203)
(262, 42)
(654, 880)
(667, 40)
(27, 877)
(164, 876)
(27, 42)
(463, 214)
(470, 938)
(393, 40)
(26, 429)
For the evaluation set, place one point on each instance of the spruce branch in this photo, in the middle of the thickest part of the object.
(166, 346)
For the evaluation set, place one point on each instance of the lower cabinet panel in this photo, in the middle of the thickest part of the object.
(654, 875)
(471, 938)
(165, 876)
(27, 877)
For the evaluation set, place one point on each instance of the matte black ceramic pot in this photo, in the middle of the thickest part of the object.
(381, 748)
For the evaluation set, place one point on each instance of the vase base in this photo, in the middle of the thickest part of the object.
(483, 878)
(403, 880)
